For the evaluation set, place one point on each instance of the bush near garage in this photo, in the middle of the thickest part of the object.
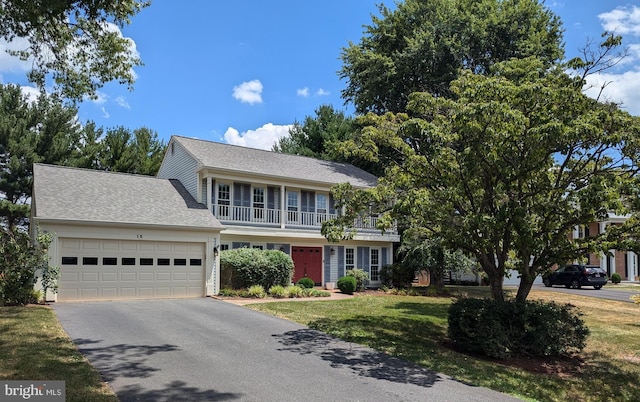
(245, 267)
(347, 284)
(21, 260)
(503, 329)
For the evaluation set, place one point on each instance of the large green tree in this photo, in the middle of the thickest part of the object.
(503, 169)
(138, 151)
(316, 135)
(421, 46)
(44, 131)
(75, 42)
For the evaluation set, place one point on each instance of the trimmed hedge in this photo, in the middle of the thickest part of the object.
(245, 267)
(347, 284)
(505, 329)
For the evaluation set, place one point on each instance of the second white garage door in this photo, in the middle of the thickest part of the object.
(96, 269)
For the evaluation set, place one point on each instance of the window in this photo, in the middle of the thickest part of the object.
(258, 246)
(128, 261)
(179, 261)
(292, 206)
(164, 261)
(146, 261)
(349, 258)
(195, 261)
(258, 203)
(69, 260)
(89, 260)
(374, 272)
(109, 261)
(224, 200)
(321, 208)
(224, 246)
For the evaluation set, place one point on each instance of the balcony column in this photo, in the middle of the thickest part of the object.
(283, 206)
(209, 194)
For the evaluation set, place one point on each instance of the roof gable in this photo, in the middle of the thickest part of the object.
(63, 193)
(227, 157)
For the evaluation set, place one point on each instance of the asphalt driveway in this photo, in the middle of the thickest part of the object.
(210, 350)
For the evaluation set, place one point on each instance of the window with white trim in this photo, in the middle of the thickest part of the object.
(224, 200)
(258, 203)
(349, 258)
(374, 267)
(292, 206)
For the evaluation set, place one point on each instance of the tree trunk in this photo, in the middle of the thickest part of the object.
(495, 282)
(437, 280)
(526, 282)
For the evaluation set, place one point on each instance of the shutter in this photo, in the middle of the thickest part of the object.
(341, 261)
(327, 264)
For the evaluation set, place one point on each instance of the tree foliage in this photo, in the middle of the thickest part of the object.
(44, 131)
(76, 42)
(21, 260)
(47, 131)
(422, 46)
(316, 135)
(507, 166)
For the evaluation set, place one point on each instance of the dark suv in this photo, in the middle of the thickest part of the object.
(575, 276)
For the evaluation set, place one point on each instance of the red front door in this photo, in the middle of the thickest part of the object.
(307, 262)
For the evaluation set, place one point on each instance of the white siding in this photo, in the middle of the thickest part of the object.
(179, 164)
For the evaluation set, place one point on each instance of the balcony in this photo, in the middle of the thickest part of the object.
(267, 217)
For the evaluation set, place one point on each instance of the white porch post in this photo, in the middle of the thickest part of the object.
(283, 206)
(602, 226)
(209, 194)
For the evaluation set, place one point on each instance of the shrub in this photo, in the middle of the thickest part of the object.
(501, 329)
(347, 284)
(635, 298)
(20, 261)
(295, 291)
(306, 283)
(319, 293)
(245, 267)
(397, 275)
(616, 278)
(361, 277)
(256, 291)
(278, 291)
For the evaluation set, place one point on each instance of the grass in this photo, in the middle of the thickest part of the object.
(415, 328)
(34, 346)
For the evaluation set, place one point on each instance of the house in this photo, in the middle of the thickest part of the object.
(121, 236)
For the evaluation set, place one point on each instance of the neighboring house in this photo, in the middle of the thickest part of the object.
(625, 263)
(120, 236)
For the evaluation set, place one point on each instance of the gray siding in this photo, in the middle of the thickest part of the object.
(179, 164)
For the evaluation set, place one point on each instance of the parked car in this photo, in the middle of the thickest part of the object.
(576, 276)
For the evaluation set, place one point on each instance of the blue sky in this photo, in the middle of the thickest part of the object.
(242, 71)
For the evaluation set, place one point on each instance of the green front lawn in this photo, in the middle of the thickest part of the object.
(415, 328)
(34, 346)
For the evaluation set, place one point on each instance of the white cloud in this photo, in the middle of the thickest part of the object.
(248, 92)
(304, 92)
(105, 114)
(12, 64)
(622, 20)
(122, 102)
(322, 92)
(262, 138)
(623, 88)
(32, 93)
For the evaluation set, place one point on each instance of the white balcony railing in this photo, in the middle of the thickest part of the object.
(266, 216)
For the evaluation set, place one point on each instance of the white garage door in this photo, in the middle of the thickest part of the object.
(93, 269)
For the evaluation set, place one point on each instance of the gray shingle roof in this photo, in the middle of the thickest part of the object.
(235, 158)
(97, 196)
